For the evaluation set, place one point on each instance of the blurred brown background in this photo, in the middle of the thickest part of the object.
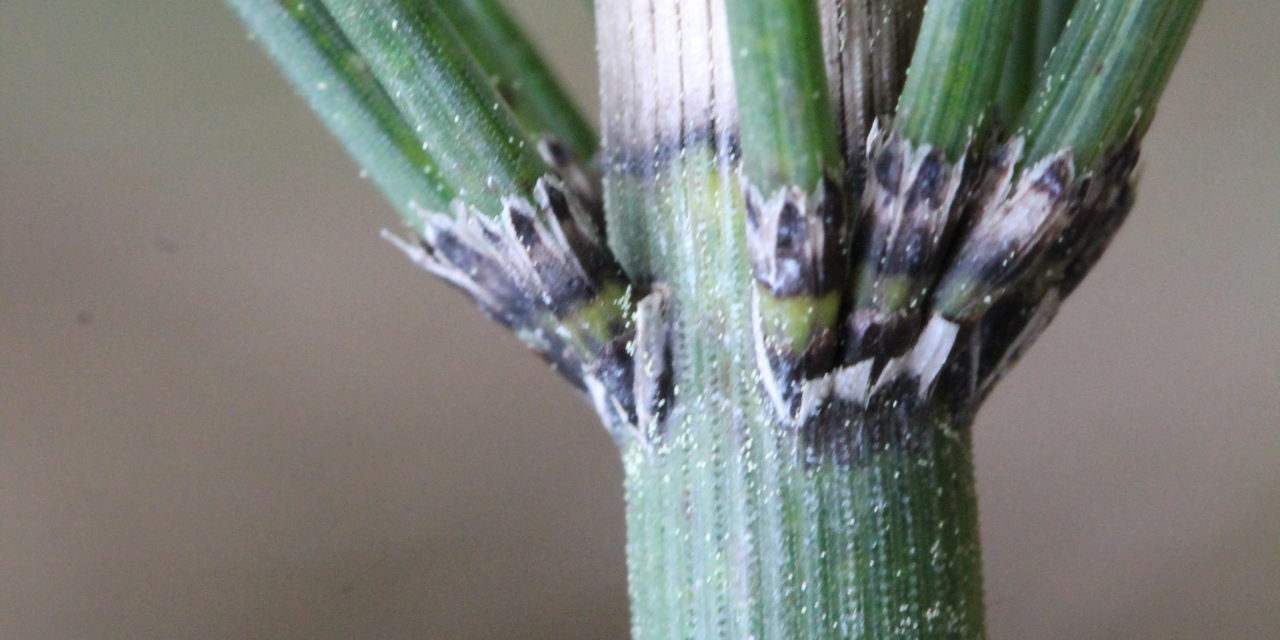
(228, 410)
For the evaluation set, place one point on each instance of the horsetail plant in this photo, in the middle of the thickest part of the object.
(816, 234)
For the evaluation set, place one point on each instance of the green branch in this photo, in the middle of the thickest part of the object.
(519, 73)
(955, 72)
(325, 68)
(442, 93)
(787, 128)
(1103, 79)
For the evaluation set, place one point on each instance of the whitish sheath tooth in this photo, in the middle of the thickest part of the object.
(1015, 226)
(652, 363)
(796, 247)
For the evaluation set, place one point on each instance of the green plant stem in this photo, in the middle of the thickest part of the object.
(441, 91)
(736, 527)
(334, 78)
(519, 73)
(787, 127)
(955, 72)
(1102, 81)
(762, 545)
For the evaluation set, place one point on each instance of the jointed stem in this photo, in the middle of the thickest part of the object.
(790, 373)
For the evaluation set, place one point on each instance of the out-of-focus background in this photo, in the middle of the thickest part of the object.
(228, 410)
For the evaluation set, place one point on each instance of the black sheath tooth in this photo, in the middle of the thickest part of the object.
(796, 241)
(583, 181)
(1106, 201)
(1029, 246)
(797, 247)
(610, 382)
(1015, 226)
(911, 209)
(630, 381)
(534, 267)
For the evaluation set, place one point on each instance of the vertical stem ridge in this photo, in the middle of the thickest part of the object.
(867, 45)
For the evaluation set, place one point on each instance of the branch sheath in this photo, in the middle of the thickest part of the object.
(792, 175)
(912, 201)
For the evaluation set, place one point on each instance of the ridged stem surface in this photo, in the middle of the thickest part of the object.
(736, 527)
(732, 535)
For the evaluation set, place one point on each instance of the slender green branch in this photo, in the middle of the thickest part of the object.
(519, 73)
(442, 93)
(955, 72)
(793, 164)
(325, 68)
(1051, 17)
(788, 130)
(1102, 81)
(1020, 69)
